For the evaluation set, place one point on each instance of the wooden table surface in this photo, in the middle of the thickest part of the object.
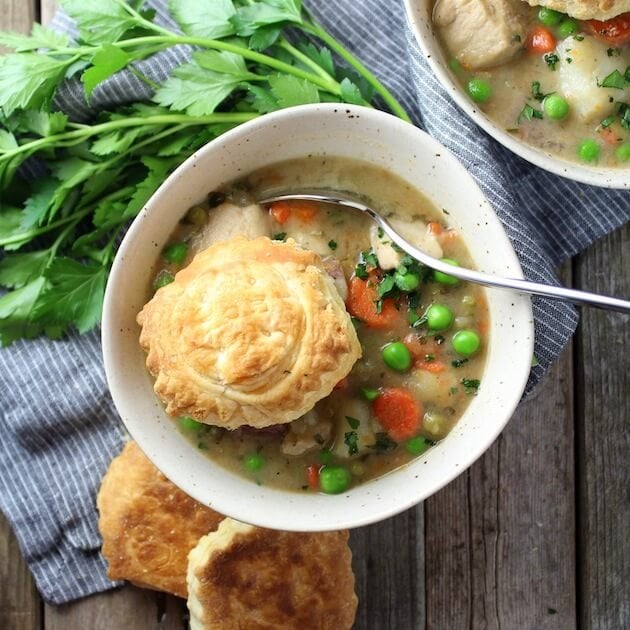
(534, 535)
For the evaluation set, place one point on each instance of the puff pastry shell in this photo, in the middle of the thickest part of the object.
(252, 332)
(246, 577)
(586, 9)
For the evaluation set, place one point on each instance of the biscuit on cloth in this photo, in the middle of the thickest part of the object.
(251, 332)
(242, 577)
(586, 9)
(148, 525)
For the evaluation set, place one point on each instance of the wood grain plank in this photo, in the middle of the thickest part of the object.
(500, 539)
(47, 10)
(603, 439)
(129, 607)
(388, 561)
(20, 605)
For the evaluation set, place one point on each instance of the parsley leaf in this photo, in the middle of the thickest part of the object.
(289, 90)
(251, 17)
(73, 294)
(551, 59)
(106, 62)
(16, 308)
(203, 18)
(614, 80)
(40, 37)
(99, 22)
(351, 440)
(353, 422)
(17, 270)
(383, 443)
(471, 385)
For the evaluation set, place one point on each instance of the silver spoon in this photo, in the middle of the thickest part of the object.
(479, 277)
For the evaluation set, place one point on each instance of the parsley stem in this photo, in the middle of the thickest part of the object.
(305, 59)
(85, 131)
(395, 107)
(141, 20)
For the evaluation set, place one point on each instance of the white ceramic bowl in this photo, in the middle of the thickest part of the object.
(419, 14)
(347, 131)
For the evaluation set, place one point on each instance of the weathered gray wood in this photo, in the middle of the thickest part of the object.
(388, 561)
(603, 444)
(19, 602)
(20, 607)
(128, 607)
(47, 10)
(500, 539)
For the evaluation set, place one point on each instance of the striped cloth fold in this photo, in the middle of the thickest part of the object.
(59, 426)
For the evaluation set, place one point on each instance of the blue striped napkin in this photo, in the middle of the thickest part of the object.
(59, 426)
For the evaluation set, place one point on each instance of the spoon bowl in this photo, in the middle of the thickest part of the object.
(574, 296)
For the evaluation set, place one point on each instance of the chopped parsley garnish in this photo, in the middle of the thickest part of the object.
(536, 91)
(280, 236)
(351, 440)
(613, 80)
(613, 52)
(421, 321)
(579, 38)
(457, 363)
(471, 385)
(608, 121)
(380, 232)
(383, 443)
(529, 113)
(360, 271)
(370, 258)
(353, 422)
(551, 59)
(386, 286)
(332, 244)
(439, 339)
(429, 357)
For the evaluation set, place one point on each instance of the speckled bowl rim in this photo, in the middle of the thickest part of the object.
(347, 131)
(419, 14)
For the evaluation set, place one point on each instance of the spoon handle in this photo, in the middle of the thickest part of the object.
(479, 277)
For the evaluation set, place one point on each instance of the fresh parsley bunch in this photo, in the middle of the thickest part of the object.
(58, 232)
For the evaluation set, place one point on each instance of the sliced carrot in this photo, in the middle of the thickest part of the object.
(312, 476)
(615, 31)
(434, 367)
(361, 303)
(398, 412)
(610, 136)
(304, 210)
(435, 228)
(540, 40)
(280, 211)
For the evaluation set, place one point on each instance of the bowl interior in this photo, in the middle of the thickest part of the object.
(343, 131)
(419, 15)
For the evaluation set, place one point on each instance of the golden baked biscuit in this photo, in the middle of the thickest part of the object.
(586, 9)
(243, 577)
(148, 525)
(252, 332)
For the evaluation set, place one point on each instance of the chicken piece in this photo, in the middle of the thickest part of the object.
(229, 220)
(590, 65)
(481, 33)
(335, 271)
(416, 233)
(306, 433)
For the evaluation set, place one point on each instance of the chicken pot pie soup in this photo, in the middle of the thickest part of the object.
(559, 81)
(263, 368)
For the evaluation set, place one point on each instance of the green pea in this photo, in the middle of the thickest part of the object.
(370, 393)
(175, 253)
(568, 27)
(334, 479)
(549, 17)
(197, 215)
(466, 342)
(623, 152)
(417, 445)
(325, 456)
(439, 317)
(407, 281)
(444, 278)
(555, 107)
(397, 356)
(589, 150)
(454, 65)
(479, 90)
(162, 279)
(253, 462)
(189, 424)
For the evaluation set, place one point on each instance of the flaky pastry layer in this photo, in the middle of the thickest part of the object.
(586, 9)
(252, 332)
